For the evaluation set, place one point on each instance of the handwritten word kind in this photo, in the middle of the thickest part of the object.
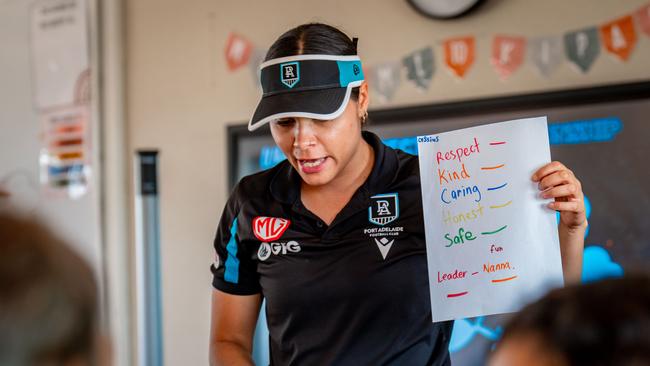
(448, 175)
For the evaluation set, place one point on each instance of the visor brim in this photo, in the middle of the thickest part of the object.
(324, 104)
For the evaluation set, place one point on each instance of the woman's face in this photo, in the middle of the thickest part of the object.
(323, 150)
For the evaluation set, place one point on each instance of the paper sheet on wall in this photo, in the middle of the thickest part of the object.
(60, 53)
(492, 244)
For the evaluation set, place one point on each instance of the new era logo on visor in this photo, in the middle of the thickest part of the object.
(290, 74)
(268, 229)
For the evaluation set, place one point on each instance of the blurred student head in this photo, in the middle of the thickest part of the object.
(601, 323)
(48, 299)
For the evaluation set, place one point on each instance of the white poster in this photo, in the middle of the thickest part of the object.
(59, 52)
(492, 244)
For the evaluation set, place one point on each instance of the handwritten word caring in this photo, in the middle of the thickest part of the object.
(447, 195)
(459, 153)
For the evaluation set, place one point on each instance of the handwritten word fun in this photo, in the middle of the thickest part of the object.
(495, 249)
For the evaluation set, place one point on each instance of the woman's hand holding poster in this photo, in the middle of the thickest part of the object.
(492, 244)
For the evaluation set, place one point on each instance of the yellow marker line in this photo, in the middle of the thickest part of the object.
(501, 206)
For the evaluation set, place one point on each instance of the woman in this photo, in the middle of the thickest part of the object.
(300, 235)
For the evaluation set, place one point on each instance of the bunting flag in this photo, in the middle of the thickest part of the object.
(546, 54)
(507, 54)
(619, 37)
(238, 50)
(643, 18)
(582, 47)
(385, 79)
(420, 67)
(256, 59)
(459, 55)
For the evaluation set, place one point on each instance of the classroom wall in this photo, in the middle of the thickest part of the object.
(76, 220)
(181, 96)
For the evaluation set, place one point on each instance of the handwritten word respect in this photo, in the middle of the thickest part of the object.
(459, 153)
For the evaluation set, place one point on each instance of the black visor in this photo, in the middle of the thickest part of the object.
(311, 86)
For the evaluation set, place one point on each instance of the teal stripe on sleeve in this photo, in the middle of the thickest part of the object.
(232, 262)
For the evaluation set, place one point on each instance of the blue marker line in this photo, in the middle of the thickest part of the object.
(495, 188)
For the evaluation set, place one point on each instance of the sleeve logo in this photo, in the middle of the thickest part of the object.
(268, 229)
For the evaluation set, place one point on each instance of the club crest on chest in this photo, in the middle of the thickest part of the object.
(384, 208)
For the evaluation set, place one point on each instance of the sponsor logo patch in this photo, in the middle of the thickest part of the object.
(290, 74)
(268, 229)
(267, 249)
(384, 208)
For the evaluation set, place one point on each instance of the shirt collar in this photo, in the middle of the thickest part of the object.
(285, 185)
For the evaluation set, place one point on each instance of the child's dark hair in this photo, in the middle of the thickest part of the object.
(314, 39)
(48, 297)
(600, 323)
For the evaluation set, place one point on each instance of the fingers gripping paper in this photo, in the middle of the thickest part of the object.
(492, 244)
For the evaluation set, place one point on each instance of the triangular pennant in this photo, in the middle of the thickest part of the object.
(619, 37)
(238, 50)
(420, 67)
(546, 54)
(643, 18)
(507, 54)
(385, 79)
(459, 54)
(582, 47)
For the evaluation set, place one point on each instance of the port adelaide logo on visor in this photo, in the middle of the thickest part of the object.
(290, 74)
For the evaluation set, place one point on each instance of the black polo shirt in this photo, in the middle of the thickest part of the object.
(352, 293)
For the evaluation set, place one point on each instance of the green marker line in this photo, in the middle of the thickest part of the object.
(494, 232)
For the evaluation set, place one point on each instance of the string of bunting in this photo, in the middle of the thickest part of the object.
(579, 47)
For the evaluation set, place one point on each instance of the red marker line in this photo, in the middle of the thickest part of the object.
(497, 143)
(475, 273)
(505, 279)
(458, 294)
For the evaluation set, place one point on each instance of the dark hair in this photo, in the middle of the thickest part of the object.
(48, 297)
(600, 323)
(314, 39)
